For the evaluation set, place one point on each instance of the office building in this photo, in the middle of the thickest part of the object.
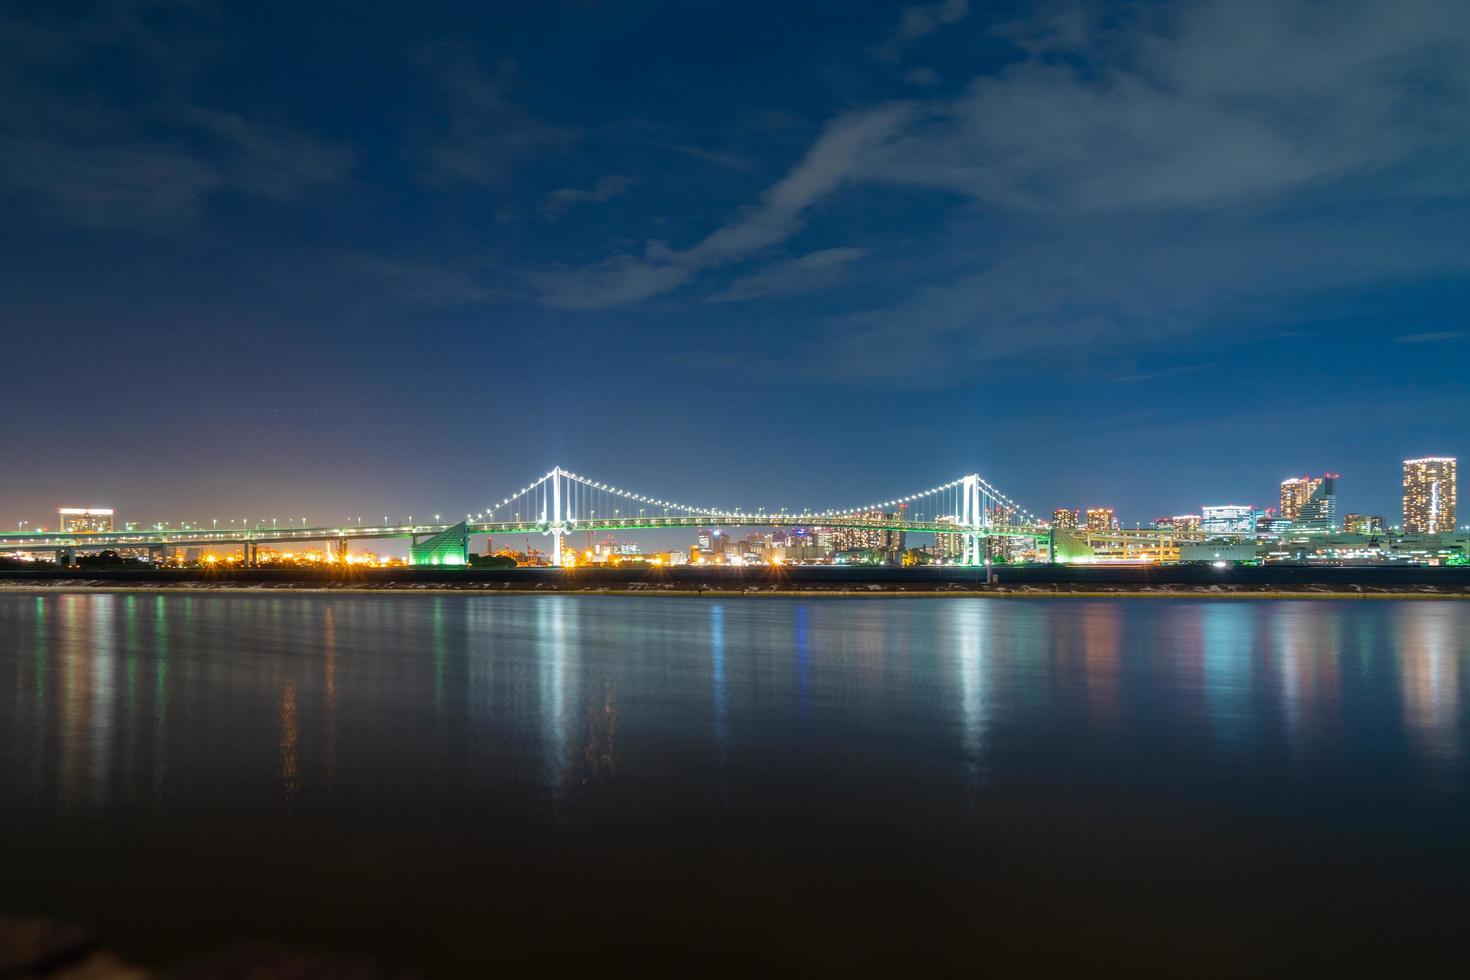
(1363, 523)
(1429, 495)
(1295, 492)
(85, 519)
(1228, 519)
(1066, 518)
(1271, 527)
(1318, 512)
(949, 547)
(861, 538)
(1101, 519)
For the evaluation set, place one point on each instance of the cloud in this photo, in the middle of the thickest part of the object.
(1173, 372)
(605, 189)
(142, 163)
(920, 21)
(124, 183)
(732, 161)
(1069, 287)
(1432, 337)
(812, 272)
(125, 176)
(1186, 165)
(921, 76)
(779, 214)
(265, 161)
(488, 134)
(1205, 106)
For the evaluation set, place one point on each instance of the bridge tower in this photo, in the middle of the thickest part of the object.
(557, 524)
(973, 517)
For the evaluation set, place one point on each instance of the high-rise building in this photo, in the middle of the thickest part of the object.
(85, 519)
(1295, 492)
(1318, 512)
(1363, 523)
(1101, 519)
(861, 538)
(949, 547)
(1226, 519)
(1429, 495)
(1066, 518)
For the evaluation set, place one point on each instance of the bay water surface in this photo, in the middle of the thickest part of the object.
(467, 784)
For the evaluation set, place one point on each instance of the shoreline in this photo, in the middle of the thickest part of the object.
(80, 586)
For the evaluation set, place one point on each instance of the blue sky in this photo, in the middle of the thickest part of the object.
(343, 260)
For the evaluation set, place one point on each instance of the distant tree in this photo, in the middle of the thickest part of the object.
(492, 561)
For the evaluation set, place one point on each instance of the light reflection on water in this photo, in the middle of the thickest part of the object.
(423, 745)
(100, 716)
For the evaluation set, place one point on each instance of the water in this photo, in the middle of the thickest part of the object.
(468, 784)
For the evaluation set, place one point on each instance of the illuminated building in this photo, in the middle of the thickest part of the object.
(1270, 526)
(1101, 519)
(1182, 523)
(1066, 518)
(1295, 492)
(949, 547)
(85, 519)
(1227, 519)
(1319, 511)
(1429, 495)
(861, 538)
(1363, 523)
(1310, 502)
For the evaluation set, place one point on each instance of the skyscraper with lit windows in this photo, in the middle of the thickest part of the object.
(1066, 518)
(1429, 495)
(85, 519)
(1295, 493)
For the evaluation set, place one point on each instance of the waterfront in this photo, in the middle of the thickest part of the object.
(469, 783)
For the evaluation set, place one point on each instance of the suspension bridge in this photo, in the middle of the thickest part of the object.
(562, 503)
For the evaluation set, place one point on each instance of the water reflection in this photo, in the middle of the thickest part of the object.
(290, 737)
(1102, 632)
(717, 679)
(329, 707)
(1430, 654)
(123, 701)
(552, 656)
(1225, 630)
(968, 627)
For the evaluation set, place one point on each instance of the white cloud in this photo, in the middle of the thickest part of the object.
(826, 167)
(1433, 337)
(812, 272)
(1221, 102)
(920, 21)
(488, 133)
(604, 190)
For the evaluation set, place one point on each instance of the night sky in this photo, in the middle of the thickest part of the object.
(347, 259)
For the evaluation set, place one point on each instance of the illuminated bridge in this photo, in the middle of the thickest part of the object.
(562, 502)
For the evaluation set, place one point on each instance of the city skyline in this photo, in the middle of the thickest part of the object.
(1296, 494)
(870, 256)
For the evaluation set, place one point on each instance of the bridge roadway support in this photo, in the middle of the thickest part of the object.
(250, 555)
(339, 551)
(557, 528)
